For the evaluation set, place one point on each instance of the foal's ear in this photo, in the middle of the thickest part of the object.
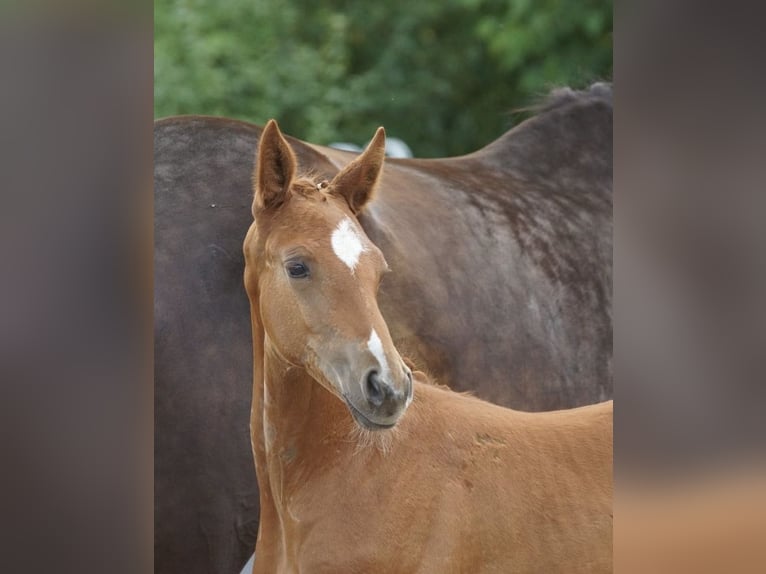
(274, 170)
(358, 180)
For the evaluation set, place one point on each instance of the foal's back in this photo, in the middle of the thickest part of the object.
(528, 492)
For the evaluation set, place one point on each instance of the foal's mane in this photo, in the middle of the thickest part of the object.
(308, 184)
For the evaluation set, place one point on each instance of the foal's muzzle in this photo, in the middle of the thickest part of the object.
(381, 404)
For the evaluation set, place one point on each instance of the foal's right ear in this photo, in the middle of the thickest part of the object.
(359, 179)
(274, 169)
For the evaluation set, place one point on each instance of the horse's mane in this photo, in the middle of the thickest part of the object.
(557, 104)
(421, 374)
(559, 97)
(309, 184)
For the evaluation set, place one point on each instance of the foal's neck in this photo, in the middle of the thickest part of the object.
(300, 417)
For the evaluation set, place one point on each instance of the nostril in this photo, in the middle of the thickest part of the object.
(374, 389)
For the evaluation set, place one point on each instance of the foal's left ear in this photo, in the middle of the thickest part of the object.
(274, 169)
(358, 180)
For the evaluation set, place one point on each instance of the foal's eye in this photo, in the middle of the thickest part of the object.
(297, 270)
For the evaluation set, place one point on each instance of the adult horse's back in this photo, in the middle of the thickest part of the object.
(502, 259)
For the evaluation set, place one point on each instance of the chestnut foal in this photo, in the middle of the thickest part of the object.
(361, 469)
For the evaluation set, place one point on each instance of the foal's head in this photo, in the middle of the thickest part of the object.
(312, 274)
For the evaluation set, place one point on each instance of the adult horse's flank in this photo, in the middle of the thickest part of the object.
(502, 265)
(456, 484)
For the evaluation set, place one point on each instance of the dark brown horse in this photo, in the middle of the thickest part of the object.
(502, 263)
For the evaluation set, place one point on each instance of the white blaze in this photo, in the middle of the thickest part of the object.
(376, 348)
(347, 243)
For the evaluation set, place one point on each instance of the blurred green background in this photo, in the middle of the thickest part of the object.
(443, 75)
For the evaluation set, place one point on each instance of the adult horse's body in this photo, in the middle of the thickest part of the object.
(502, 265)
(450, 483)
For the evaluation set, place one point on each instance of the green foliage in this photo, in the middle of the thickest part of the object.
(442, 75)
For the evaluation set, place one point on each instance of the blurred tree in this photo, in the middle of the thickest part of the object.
(444, 76)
